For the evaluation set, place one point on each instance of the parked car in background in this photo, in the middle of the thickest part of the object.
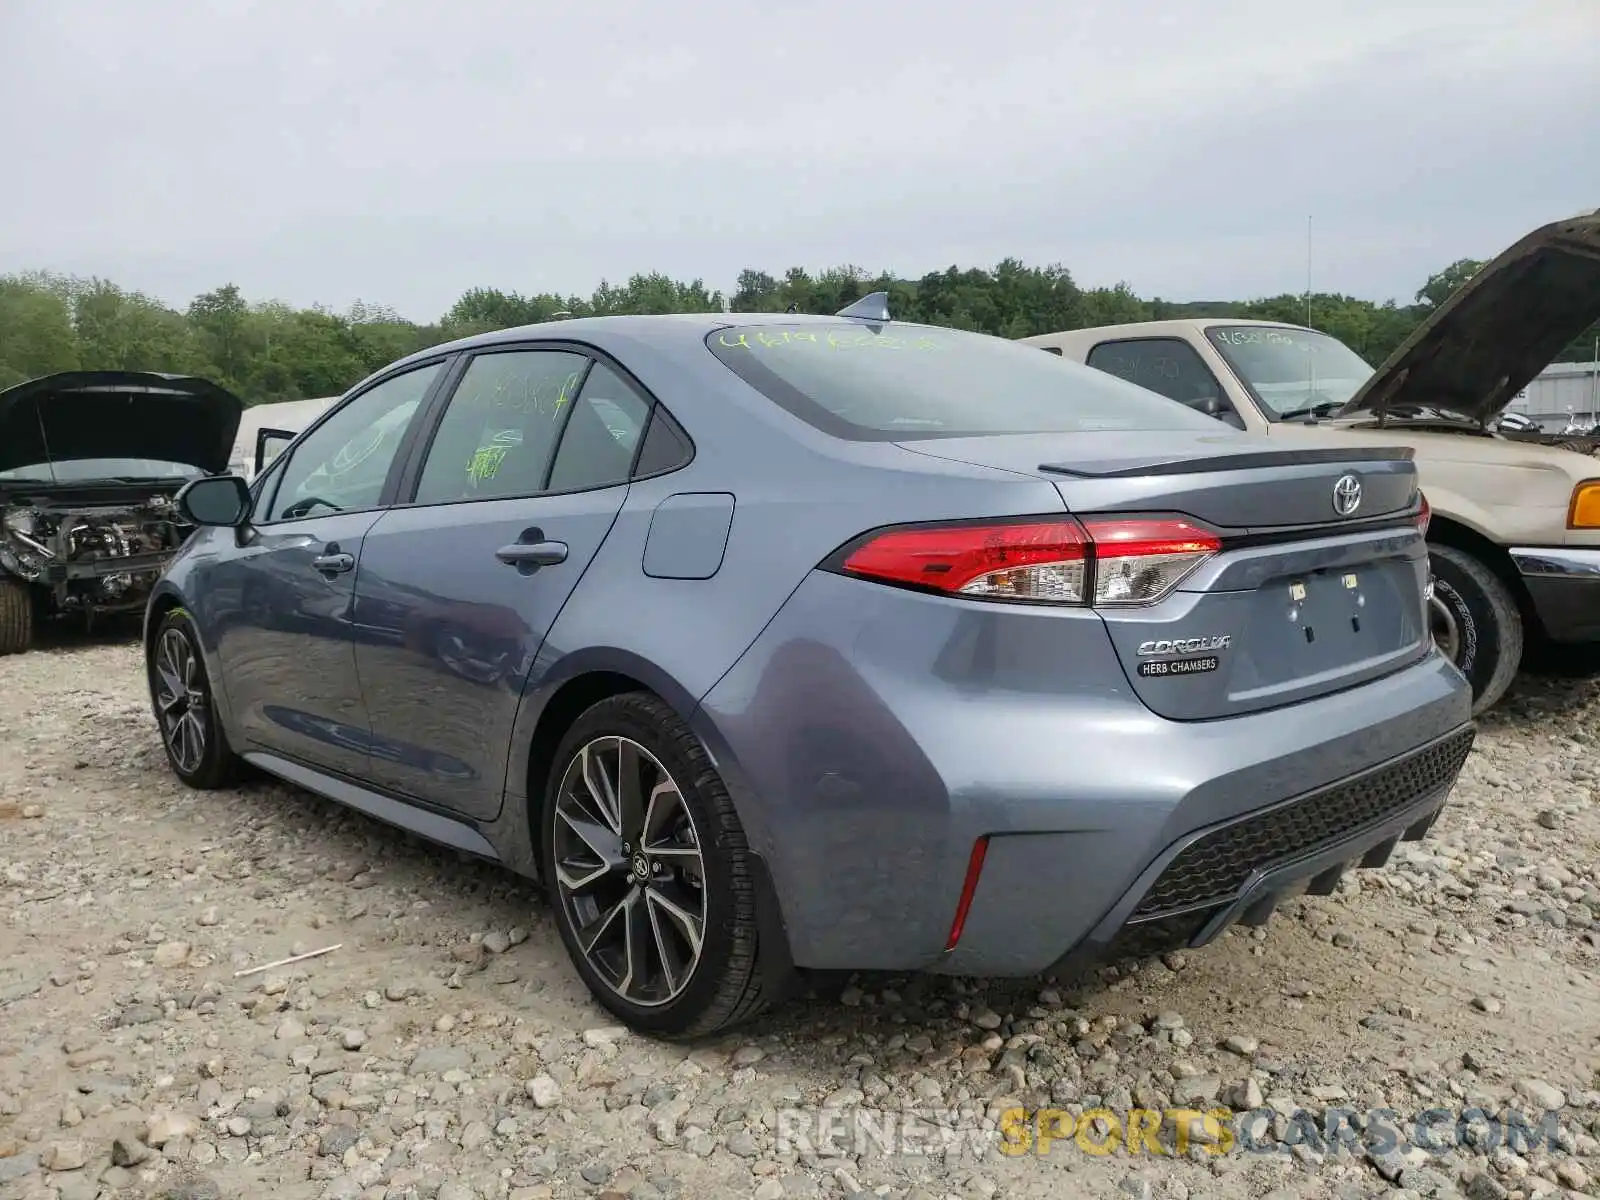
(89, 464)
(1515, 529)
(780, 642)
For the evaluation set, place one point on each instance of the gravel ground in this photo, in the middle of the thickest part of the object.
(447, 1051)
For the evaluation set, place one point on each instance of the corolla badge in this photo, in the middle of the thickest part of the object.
(1194, 645)
(1346, 495)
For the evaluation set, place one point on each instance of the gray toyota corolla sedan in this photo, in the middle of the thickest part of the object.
(777, 642)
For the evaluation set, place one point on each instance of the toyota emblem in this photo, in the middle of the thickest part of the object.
(1347, 495)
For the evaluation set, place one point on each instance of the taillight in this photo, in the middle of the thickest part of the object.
(1140, 561)
(1105, 561)
(1424, 514)
(1002, 562)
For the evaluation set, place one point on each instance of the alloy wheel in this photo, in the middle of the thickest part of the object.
(181, 700)
(629, 870)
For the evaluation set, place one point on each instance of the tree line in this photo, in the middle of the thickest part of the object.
(267, 350)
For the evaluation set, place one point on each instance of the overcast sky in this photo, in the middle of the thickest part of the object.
(400, 151)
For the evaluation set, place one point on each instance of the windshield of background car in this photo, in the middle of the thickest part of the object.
(1291, 370)
(900, 383)
(87, 470)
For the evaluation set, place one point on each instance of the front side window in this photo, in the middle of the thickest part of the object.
(342, 464)
(1168, 366)
(500, 429)
(1292, 373)
(900, 383)
(265, 487)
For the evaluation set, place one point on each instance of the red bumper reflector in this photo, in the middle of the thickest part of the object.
(968, 887)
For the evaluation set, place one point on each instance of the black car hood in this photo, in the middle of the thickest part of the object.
(1502, 327)
(118, 414)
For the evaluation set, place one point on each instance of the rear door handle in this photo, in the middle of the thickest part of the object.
(334, 564)
(532, 554)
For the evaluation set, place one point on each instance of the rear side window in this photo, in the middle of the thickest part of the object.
(601, 434)
(666, 446)
(902, 383)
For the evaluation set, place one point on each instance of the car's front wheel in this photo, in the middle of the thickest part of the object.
(185, 708)
(649, 872)
(1476, 623)
(16, 617)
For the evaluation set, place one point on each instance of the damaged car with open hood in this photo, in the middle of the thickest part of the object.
(89, 464)
(1514, 530)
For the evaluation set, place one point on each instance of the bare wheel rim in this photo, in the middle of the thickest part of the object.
(181, 700)
(1445, 628)
(629, 870)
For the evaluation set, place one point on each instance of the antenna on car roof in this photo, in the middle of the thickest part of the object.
(871, 307)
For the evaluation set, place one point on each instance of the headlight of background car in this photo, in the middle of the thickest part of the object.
(1584, 511)
(21, 552)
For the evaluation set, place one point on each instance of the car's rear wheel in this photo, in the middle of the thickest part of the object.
(1475, 623)
(16, 617)
(649, 872)
(185, 708)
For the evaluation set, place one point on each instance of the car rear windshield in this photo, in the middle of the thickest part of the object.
(900, 383)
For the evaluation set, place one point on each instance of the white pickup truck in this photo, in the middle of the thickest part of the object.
(1515, 527)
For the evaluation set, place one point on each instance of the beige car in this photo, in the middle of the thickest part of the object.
(1515, 528)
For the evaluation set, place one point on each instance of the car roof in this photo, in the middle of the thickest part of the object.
(652, 328)
(1146, 328)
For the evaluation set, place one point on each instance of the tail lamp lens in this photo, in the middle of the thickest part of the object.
(1424, 514)
(1104, 561)
(1138, 562)
(1010, 562)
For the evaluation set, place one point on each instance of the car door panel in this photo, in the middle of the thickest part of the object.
(458, 589)
(448, 632)
(285, 650)
(287, 660)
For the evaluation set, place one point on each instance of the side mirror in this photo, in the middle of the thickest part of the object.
(218, 500)
(1212, 406)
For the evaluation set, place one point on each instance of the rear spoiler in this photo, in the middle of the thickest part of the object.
(1248, 461)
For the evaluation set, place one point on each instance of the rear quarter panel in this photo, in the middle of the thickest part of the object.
(798, 496)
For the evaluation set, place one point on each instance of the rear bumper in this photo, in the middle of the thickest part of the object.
(1563, 583)
(871, 736)
(1239, 871)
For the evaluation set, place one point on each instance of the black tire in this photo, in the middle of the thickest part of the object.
(1476, 611)
(724, 987)
(215, 765)
(16, 617)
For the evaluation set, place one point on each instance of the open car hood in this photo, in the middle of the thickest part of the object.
(1502, 327)
(118, 414)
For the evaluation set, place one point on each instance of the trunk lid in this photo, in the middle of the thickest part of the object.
(1307, 595)
(117, 415)
(1502, 327)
